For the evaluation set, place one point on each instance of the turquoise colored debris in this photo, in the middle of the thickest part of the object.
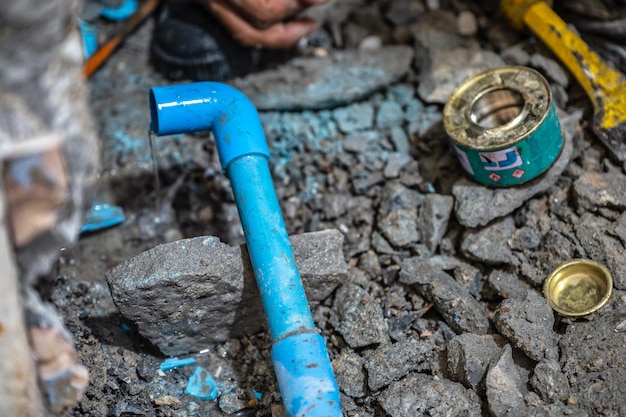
(202, 385)
(89, 34)
(121, 12)
(171, 363)
(101, 216)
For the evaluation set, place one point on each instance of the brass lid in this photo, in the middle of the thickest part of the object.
(497, 108)
(578, 287)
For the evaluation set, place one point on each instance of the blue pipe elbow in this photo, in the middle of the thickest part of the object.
(304, 373)
(217, 107)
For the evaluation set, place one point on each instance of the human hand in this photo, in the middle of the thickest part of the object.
(269, 23)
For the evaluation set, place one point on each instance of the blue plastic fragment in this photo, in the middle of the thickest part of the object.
(202, 385)
(121, 12)
(172, 363)
(100, 216)
(89, 35)
(257, 394)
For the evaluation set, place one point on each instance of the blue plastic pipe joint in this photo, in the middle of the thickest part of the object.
(303, 370)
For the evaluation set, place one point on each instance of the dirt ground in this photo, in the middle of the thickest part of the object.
(378, 167)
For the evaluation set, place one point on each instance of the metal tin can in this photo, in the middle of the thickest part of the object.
(578, 287)
(503, 126)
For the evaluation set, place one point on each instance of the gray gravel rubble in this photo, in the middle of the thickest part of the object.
(446, 59)
(548, 380)
(420, 394)
(459, 309)
(506, 386)
(594, 190)
(491, 243)
(550, 68)
(507, 284)
(433, 217)
(464, 273)
(595, 237)
(398, 214)
(392, 362)
(349, 368)
(353, 307)
(211, 293)
(312, 83)
(468, 357)
(528, 323)
(593, 359)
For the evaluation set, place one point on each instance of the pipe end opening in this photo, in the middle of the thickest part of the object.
(154, 114)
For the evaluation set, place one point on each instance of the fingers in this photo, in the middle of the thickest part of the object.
(267, 12)
(276, 35)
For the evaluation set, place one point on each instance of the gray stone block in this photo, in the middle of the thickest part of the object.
(193, 292)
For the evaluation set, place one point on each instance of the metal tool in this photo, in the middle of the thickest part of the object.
(605, 86)
(504, 126)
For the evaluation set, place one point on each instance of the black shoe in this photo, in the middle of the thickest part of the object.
(190, 44)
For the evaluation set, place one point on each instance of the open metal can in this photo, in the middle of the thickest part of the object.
(578, 287)
(504, 126)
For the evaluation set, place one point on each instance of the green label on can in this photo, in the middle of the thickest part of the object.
(516, 163)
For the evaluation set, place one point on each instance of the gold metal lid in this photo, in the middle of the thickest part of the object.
(578, 287)
(497, 108)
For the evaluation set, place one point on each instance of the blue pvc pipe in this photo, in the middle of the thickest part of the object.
(305, 377)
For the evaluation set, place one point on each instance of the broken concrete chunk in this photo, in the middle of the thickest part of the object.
(437, 30)
(465, 274)
(356, 116)
(448, 68)
(593, 234)
(506, 386)
(595, 347)
(421, 395)
(353, 307)
(620, 227)
(469, 356)
(187, 294)
(350, 373)
(594, 190)
(389, 114)
(397, 214)
(391, 362)
(316, 83)
(490, 244)
(477, 205)
(550, 68)
(507, 284)
(528, 323)
(433, 217)
(446, 58)
(458, 308)
(549, 381)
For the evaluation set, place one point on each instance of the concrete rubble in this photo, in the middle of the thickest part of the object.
(210, 287)
(425, 285)
(310, 83)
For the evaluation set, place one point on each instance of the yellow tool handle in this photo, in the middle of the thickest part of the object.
(602, 83)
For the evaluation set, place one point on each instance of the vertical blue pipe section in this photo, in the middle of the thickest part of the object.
(283, 296)
(301, 362)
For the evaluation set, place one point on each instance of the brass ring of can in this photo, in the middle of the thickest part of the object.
(504, 126)
(578, 287)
